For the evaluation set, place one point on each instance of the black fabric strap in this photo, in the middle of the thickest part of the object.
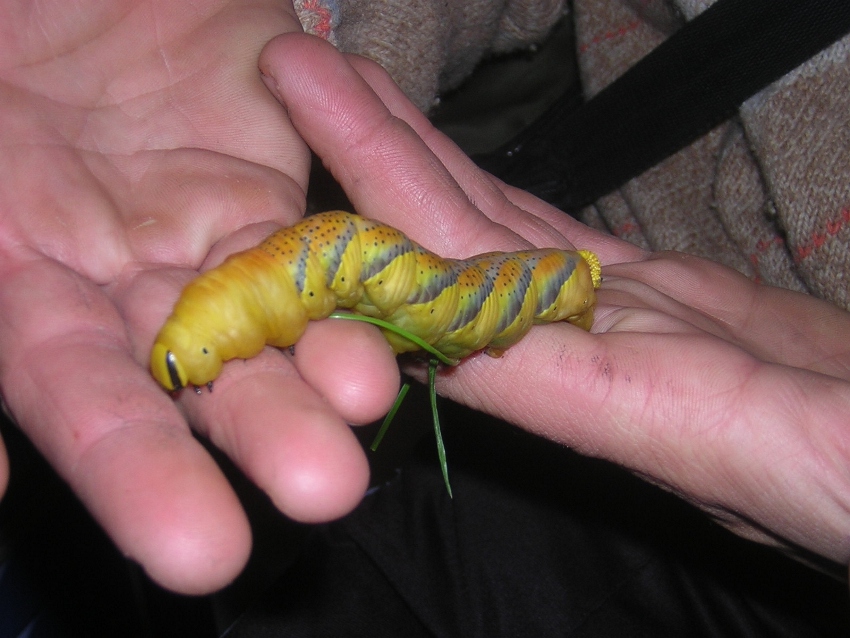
(695, 80)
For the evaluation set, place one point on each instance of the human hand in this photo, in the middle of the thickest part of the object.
(732, 394)
(139, 145)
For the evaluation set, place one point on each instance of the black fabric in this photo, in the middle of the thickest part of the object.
(537, 542)
(689, 84)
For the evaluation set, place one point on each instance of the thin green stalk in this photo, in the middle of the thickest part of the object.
(427, 347)
(390, 416)
(441, 449)
(438, 357)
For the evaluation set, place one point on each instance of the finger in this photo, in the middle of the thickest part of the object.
(773, 324)
(286, 427)
(536, 221)
(394, 136)
(284, 436)
(70, 382)
(693, 413)
(351, 365)
(482, 189)
(609, 248)
(384, 166)
(626, 305)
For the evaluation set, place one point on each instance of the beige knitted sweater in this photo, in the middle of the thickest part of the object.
(767, 192)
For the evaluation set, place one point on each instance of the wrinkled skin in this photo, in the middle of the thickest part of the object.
(141, 145)
(732, 394)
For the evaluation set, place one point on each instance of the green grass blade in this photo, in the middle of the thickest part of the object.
(427, 347)
(439, 357)
(441, 448)
(390, 416)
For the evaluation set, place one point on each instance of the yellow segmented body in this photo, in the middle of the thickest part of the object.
(266, 295)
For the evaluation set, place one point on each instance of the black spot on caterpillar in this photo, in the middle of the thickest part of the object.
(266, 295)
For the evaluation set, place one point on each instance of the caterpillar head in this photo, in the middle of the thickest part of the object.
(180, 358)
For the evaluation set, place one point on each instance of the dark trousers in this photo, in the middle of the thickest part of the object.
(537, 541)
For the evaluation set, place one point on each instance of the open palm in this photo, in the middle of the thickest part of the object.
(139, 145)
(732, 394)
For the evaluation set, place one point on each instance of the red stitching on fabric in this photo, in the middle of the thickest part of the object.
(761, 247)
(817, 239)
(323, 27)
(610, 35)
(624, 229)
(763, 244)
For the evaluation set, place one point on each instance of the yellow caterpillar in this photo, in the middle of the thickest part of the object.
(266, 295)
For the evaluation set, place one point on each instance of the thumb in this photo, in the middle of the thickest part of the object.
(385, 167)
